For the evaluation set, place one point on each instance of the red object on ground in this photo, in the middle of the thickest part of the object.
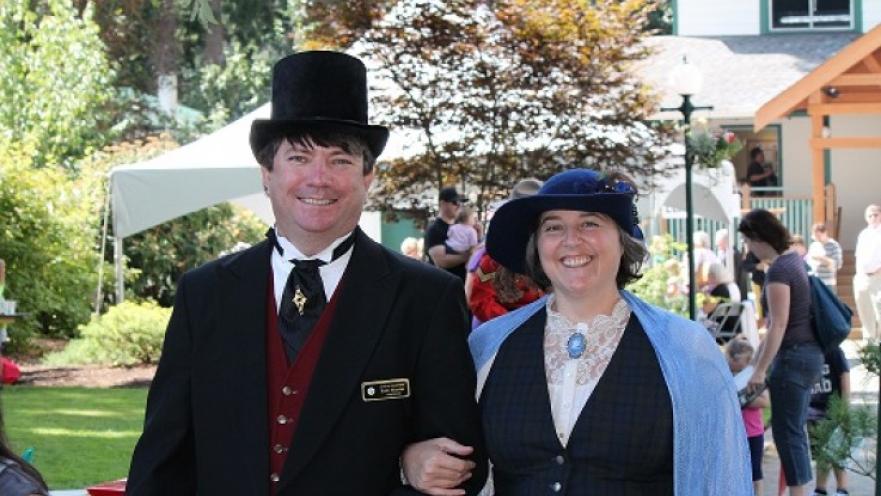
(10, 371)
(114, 488)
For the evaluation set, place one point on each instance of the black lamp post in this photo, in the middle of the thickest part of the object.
(687, 80)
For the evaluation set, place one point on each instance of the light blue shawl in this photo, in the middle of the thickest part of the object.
(710, 454)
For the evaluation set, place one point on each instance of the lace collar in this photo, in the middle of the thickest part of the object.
(602, 335)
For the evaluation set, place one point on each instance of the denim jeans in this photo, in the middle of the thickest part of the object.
(796, 369)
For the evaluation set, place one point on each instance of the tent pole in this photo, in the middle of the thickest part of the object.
(99, 294)
(117, 260)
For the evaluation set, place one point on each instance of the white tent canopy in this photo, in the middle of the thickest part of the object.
(215, 168)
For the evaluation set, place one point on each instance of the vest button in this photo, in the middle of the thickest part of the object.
(287, 391)
(281, 419)
(279, 449)
(556, 486)
(559, 459)
(273, 477)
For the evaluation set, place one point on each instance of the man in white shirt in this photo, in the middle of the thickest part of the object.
(867, 280)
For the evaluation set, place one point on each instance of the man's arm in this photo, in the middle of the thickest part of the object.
(163, 462)
(444, 402)
(442, 259)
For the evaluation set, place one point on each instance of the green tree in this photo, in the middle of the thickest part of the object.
(48, 242)
(56, 82)
(493, 92)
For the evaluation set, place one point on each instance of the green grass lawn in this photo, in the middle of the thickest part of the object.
(80, 435)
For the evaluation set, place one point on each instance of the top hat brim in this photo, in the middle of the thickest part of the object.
(263, 131)
(516, 220)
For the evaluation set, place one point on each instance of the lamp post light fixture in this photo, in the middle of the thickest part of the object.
(686, 80)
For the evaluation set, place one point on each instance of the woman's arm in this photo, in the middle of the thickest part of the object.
(762, 401)
(778, 317)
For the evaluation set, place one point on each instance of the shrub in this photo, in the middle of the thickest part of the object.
(840, 437)
(128, 334)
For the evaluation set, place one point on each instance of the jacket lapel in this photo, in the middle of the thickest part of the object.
(368, 291)
(241, 326)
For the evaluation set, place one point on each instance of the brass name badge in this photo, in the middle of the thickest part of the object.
(389, 389)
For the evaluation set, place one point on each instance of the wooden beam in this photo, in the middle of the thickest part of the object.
(860, 50)
(844, 108)
(818, 176)
(860, 96)
(872, 63)
(846, 142)
(857, 80)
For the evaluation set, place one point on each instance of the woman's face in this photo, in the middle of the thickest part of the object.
(762, 251)
(580, 252)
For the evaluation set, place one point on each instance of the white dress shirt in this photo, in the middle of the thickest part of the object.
(868, 251)
(331, 272)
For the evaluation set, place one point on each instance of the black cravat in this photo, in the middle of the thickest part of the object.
(303, 299)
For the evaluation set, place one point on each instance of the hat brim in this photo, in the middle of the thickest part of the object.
(515, 221)
(263, 131)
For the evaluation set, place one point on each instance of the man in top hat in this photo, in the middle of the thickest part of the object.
(308, 363)
(439, 253)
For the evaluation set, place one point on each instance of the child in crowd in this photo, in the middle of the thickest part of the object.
(462, 236)
(835, 380)
(739, 353)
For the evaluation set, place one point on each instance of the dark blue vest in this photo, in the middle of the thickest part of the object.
(621, 444)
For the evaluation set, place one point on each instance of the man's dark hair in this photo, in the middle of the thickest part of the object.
(755, 152)
(348, 143)
(634, 255)
(762, 225)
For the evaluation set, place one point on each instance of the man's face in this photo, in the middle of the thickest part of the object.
(448, 210)
(873, 216)
(317, 192)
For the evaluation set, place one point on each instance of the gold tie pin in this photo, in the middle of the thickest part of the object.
(299, 300)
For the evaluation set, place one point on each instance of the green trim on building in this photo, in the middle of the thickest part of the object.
(858, 16)
(764, 17)
(765, 20)
(675, 9)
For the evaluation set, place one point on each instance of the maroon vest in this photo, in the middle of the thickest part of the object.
(288, 384)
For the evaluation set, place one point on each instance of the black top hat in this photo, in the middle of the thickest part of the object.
(320, 91)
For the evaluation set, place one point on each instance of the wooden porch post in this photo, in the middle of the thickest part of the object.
(818, 177)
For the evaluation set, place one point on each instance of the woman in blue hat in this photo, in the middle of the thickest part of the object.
(590, 390)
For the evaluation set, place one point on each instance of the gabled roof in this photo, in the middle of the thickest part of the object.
(741, 73)
(855, 72)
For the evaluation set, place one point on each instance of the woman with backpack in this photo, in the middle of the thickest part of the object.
(790, 344)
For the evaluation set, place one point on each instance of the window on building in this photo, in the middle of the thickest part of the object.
(811, 14)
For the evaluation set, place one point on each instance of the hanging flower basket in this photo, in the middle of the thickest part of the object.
(709, 148)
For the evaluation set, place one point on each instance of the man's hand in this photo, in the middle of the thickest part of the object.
(435, 466)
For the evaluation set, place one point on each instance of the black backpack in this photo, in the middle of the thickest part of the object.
(830, 317)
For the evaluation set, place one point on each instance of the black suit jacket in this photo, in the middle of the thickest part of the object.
(206, 422)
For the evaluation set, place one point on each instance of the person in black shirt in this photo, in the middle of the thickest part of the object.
(835, 380)
(439, 254)
(760, 174)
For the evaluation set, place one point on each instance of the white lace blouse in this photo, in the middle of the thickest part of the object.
(571, 381)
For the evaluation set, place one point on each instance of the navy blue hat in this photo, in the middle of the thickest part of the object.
(577, 189)
(320, 91)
